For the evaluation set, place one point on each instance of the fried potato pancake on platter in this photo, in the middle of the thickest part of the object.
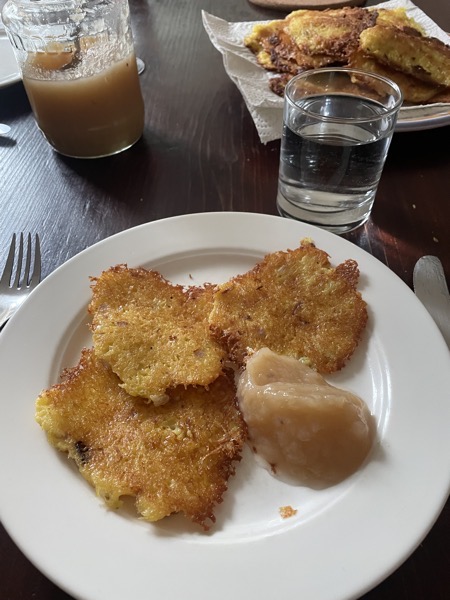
(406, 50)
(175, 458)
(308, 39)
(415, 91)
(333, 33)
(294, 303)
(153, 334)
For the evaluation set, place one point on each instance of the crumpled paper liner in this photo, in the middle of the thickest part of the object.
(266, 108)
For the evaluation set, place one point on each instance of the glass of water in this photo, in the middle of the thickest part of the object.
(337, 127)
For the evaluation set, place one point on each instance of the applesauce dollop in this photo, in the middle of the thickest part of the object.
(302, 429)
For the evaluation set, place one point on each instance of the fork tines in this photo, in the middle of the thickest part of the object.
(14, 274)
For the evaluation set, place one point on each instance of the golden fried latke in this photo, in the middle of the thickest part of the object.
(414, 90)
(175, 458)
(294, 303)
(153, 334)
(406, 50)
(308, 39)
(333, 32)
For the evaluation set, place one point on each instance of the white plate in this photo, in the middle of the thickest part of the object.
(342, 541)
(9, 69)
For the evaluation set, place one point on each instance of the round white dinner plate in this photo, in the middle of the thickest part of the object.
(341, 542)
(9, 69)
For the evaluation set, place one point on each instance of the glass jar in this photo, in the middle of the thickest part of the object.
(79, 71)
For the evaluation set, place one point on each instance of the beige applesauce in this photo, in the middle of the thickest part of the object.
(91, 116)
(302, 429)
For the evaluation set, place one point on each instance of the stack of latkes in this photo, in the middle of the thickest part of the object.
(383, 41)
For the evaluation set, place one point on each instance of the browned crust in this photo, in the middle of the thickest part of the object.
(309, 39)
(153, 334)
(384, 41)
(172, 458)
(294, 303)
(407, 50)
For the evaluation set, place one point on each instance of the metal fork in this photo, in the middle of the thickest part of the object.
(17, 280)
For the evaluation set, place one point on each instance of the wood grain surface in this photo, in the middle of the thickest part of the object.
(200, 152)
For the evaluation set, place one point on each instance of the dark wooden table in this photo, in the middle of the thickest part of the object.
(200, 152)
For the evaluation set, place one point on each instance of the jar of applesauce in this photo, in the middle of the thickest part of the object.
(79, 71)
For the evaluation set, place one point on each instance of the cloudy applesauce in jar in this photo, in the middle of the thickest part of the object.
(87, 115)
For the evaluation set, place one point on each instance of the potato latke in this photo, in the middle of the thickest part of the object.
(308, 39)
(153, 334)
(406, 50)
(293, 303)
(174, 458)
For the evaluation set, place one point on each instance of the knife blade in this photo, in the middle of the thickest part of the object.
(431, 288)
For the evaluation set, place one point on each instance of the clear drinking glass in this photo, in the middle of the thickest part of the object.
(337, 127)
(79, 71)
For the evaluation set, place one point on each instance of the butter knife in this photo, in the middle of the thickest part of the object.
(431, 288)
